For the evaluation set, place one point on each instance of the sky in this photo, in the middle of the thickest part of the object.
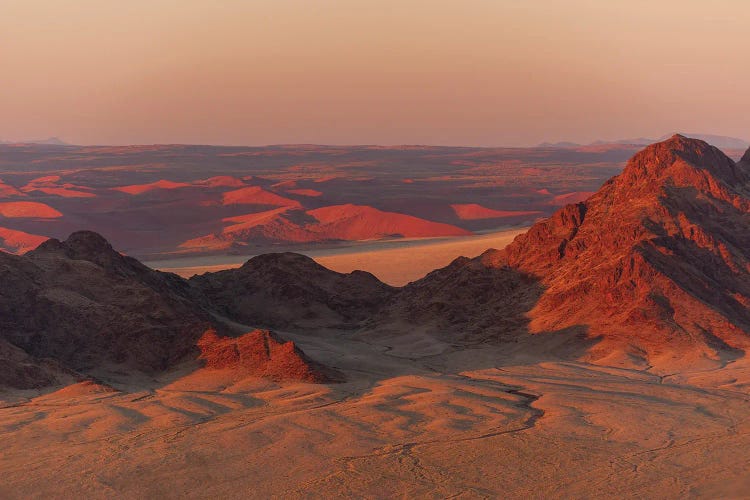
(469, 72)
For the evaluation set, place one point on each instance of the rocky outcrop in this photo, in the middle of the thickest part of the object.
(259, 353)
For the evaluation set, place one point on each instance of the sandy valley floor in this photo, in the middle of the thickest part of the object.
(449, 421)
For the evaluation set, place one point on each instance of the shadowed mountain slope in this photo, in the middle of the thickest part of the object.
(90, 309)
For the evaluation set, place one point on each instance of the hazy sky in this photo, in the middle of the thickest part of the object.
(463, 72)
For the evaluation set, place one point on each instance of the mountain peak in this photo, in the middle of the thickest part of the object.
(90, 246)
(655, 262)
(88, 242)
(80, 245)
(683, 161)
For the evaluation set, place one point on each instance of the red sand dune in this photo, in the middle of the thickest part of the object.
(136, 189)
(291, 184)
(326, 178)
(305, 192)
(253, 219)
(263, 226)
(255, 195)
(473, 211)
(221, 181)
(357, 222)
(6, 190)
(339, 222)
(30, 209)
(19, 242)
(51, 185)
(568, 198)
(63, 192)
(47, 179)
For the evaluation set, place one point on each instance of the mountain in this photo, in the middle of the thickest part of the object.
(79, 307)
(50, 141)
(559, 145)
(633, 141)
(720, 141)
(654, 268)
(288, 290)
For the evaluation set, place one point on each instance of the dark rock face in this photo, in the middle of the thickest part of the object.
(466, 301)
(288, 290)
(73, 306)
(82, 303)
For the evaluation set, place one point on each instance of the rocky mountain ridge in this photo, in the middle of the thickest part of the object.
(655, 266)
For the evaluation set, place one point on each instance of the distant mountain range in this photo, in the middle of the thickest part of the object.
(50, 141)
(720, 141)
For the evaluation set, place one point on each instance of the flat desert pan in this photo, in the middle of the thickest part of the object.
(396, 264)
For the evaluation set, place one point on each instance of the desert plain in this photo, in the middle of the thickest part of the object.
(415, 417)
